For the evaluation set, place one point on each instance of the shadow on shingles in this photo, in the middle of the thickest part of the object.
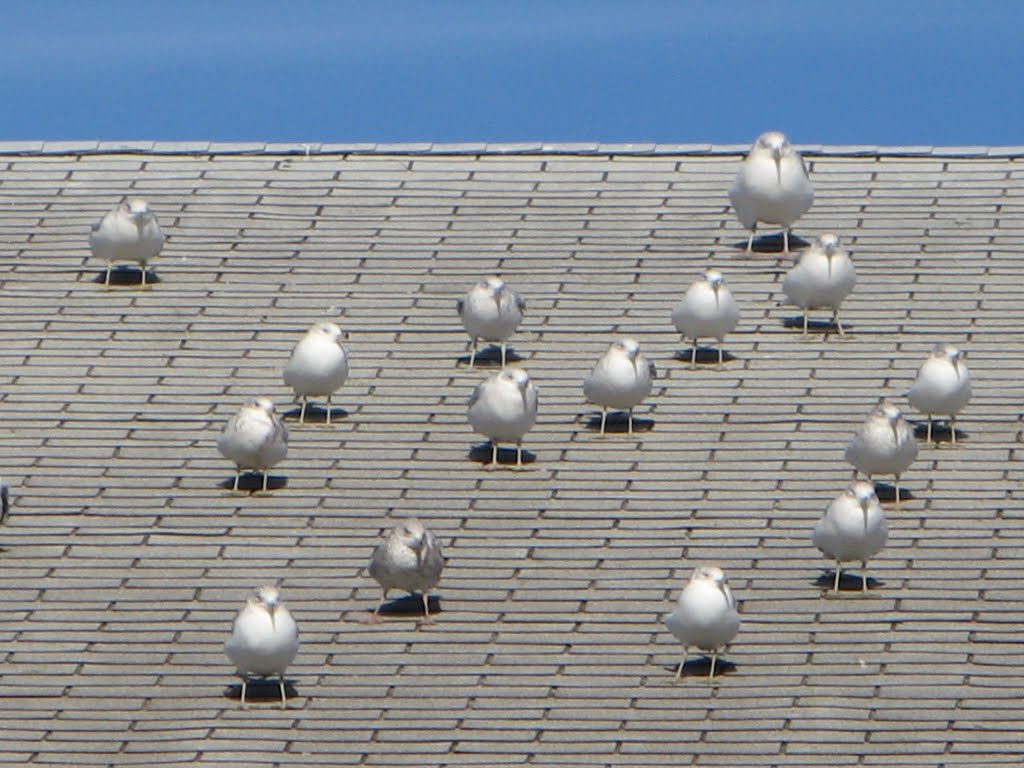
(408, 606)
(887, 492)
(506, 456)
(315, 414)
(252, 482)
(705, 356)
(261, 691)
(124, 274)
(773, 243)
(618, 422)
(490, 356)
(815, 326)
(848, 582)
(701, 666)
(941, 433)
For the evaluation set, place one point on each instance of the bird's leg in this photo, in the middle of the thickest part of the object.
(835, 319)
(494, 452)
(374, 618)
(143, 275)
(264, 473)
(785, 241)
(280, 682)
(952, 429)
(302, 412)
(629, 415)
(604, 415)
(472, 354)
(693, 357)
(503, 351)
(714, 658)
(519, 454)
(721, 354)
(238, 474)
(805, 322)
(682, 663)
(426, 608)
(244, 681)
(839, 572)
(897, 491)
(864, 576)
(328, 410)
(750, 240)
(929, 437)
(107, 281)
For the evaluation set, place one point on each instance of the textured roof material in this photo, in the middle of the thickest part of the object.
(125, 558)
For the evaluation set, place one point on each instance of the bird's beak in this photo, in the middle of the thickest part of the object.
(272, 610)
(777, 156)
(895, 432)
(956, 365)
(828, 256)
(864, 509)
(417, 547)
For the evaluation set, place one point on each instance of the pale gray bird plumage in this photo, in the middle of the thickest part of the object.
(822, 278)
(942, 386)
(853, 528)
(318, 366)
(264, 639)
(410, 558)
(620, 380)
(128, 233)
(254, 439)
(503, 408)
(491, 311)
(883, 445)
(706, 615)
(708, 309)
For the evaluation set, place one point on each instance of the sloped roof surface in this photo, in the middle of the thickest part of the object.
(125, 558)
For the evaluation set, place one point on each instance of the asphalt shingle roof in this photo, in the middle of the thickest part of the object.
(125, 558)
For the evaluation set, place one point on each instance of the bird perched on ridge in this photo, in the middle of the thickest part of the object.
(491, 311)
(883, 445)
(823, 277)
(254, 438)
(409, 558)
(706, 615)
(942, 386)
(264, 639)
(621, 379)
(129, 233)
(852, 528)
(503, 408)
(318, 366)
(771, 187)
(707, 309)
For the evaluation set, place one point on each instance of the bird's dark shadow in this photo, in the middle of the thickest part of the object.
(887, 492)
(705, 356)
(506, 456)
(252, 482)
(262, 690)
(618, 422)
(701, 667)
(315, 414)
(490, 356)
(409, 606)
(816, 326)
(941, 432)
(773, 243)
(125, 275)
(848, 582)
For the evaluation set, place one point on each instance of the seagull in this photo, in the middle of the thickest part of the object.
(254, 438)
(318, 366)
(264, 639)
(409, 558)
(5, 502)
(129, 232)
(621, 379)
(707, 309)
(852, 528)
(823, 277)
(491, 311)
(771, 187)
(706, 615)
(943, 386)
(884, 444)
(503, 408)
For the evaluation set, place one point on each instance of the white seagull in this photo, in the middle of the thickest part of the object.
(318, 366)
(942, 387)
(771, 187)
(409, 558)
(883, 445)
(491, 311)
(823, 277)
(705, 616)
(707, 309)
(254, 438)
(129, 232)
(621, 379)
(852, 528)
(503, 408)
(264, 639)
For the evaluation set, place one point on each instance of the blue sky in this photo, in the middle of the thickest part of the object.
(931, 72)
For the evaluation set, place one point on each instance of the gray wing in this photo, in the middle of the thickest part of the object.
(461, 306)
(432, 560)
(653, 369)
(521, 303)
(475, 395)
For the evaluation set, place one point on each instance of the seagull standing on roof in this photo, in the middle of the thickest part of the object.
(852, 528)
(883, 445)
(130, 233)
(823, 277)
(621, 380)
(318, 366)
(503, 408)
(264, 639)
(707, 309)
(705, 616)
(942, 386)
(410, 559)
(491, 311)
(254, 439)
(771, 187)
